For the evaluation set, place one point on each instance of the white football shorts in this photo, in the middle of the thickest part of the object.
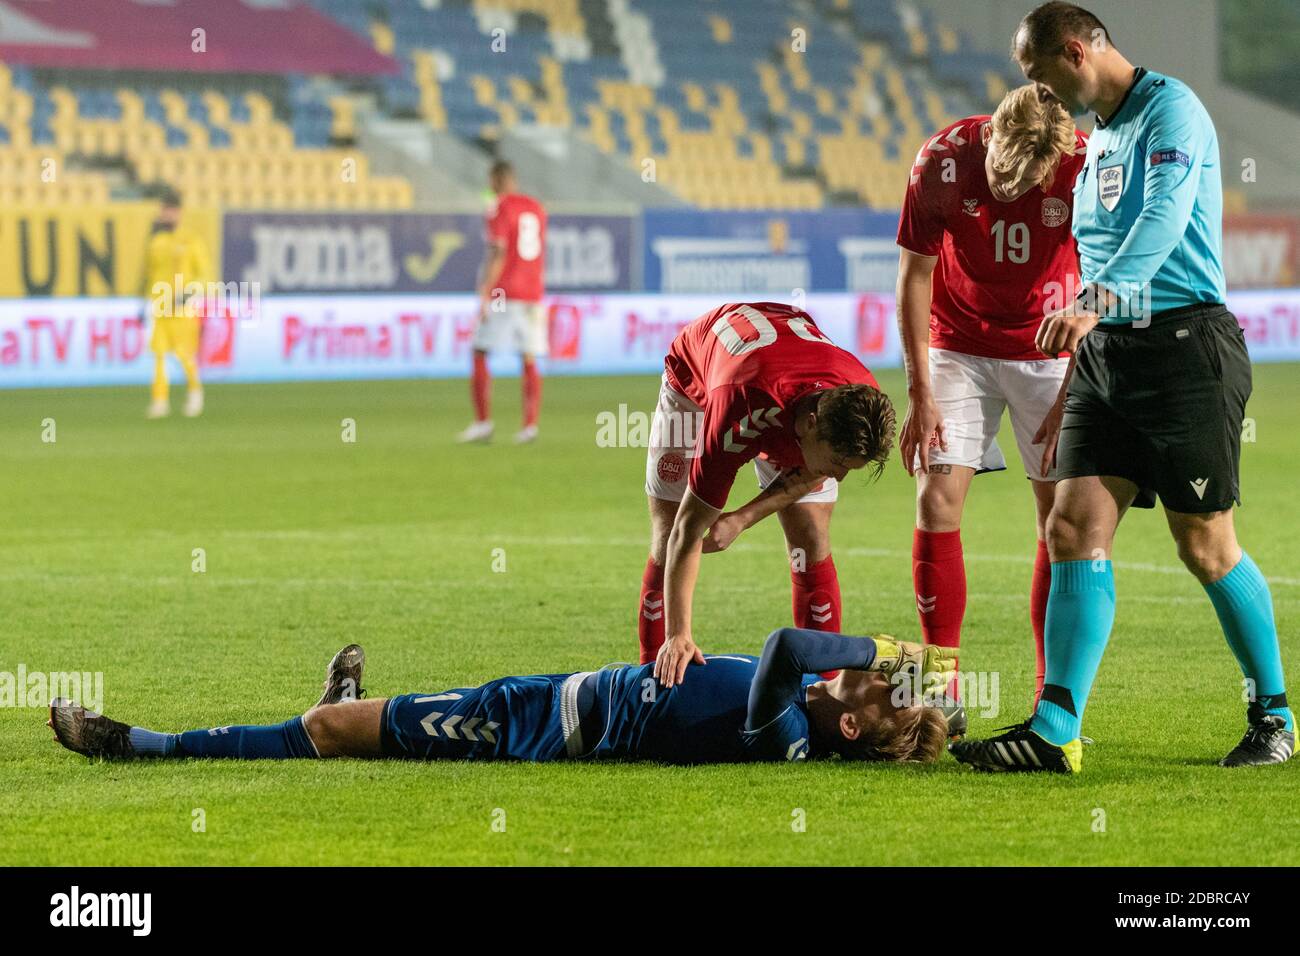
(518, 327)
(972, 391)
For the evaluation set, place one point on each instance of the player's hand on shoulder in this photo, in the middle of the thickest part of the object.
(676, 654)
(922, 430)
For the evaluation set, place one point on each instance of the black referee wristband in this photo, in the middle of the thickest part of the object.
(1087, 299)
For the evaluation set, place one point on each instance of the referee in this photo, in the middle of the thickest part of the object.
(1159, 392)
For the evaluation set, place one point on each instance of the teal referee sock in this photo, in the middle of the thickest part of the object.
(1245, 607)
(1080, 613)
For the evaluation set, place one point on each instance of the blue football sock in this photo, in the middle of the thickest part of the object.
(273, 742)
(151, 743)
(1245, 607)
(1080, 612)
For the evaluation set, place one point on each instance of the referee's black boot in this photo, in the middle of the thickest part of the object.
(1267, 741)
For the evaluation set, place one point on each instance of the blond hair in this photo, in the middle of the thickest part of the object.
(1030, 135)
(912, 735)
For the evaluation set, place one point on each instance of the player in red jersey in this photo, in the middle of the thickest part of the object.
(986, 252)
(511, 316)
(751, 382)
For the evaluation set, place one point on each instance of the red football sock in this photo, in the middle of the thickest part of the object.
(650, 613)
(816, 599)
(1038, 592)
(480, 388)
(532, 392)
(939, 577)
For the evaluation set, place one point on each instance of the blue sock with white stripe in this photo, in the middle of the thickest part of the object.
(1080, 613)
(274, 742)
(1242, 600)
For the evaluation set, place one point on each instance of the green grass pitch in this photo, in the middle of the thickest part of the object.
(312, 542)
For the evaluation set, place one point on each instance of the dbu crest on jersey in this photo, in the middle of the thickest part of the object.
(1055, 211)
(1110, 184)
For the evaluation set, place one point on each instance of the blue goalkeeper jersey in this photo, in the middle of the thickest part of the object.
(1148, 204)
(701, 720)
(733, 708)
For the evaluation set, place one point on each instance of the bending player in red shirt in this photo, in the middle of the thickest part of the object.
(511, 316)
(756, 382)
(986, 253)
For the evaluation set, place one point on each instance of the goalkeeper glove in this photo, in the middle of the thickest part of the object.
(922, 665)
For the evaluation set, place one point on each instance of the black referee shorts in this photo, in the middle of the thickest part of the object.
(1162, 406)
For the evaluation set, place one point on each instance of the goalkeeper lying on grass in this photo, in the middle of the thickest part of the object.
(734, 708)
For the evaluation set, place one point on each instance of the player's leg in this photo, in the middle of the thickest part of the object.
(531, 386)
(327, 730)
(1032, 390)
(1207, 545)
(480, 390)
(187, 348)
(333, 730)
(159, 344)
(1104, 465)
(971, 402)
(1081, 600)
(1040, 584)
(350, 729)
(488, 332)
(1080, 612)
(938, 565)
(532, 332)
(814, 582)
(650, 610)
(1199, 484)
(672, 439)
(815, 585)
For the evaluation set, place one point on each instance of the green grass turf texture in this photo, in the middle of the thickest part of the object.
(312, 542)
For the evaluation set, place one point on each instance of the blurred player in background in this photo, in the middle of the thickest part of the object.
(751, 382)
(986, 252)
(511, 289)
(176, 263)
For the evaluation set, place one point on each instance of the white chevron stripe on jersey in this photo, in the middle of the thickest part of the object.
(469, 730)
(652, 610)
(749, 427)
(821, 613)
(428, 722)
(954, 136)
(926, 604)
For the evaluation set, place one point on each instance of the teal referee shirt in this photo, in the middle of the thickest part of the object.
(1148, 205)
